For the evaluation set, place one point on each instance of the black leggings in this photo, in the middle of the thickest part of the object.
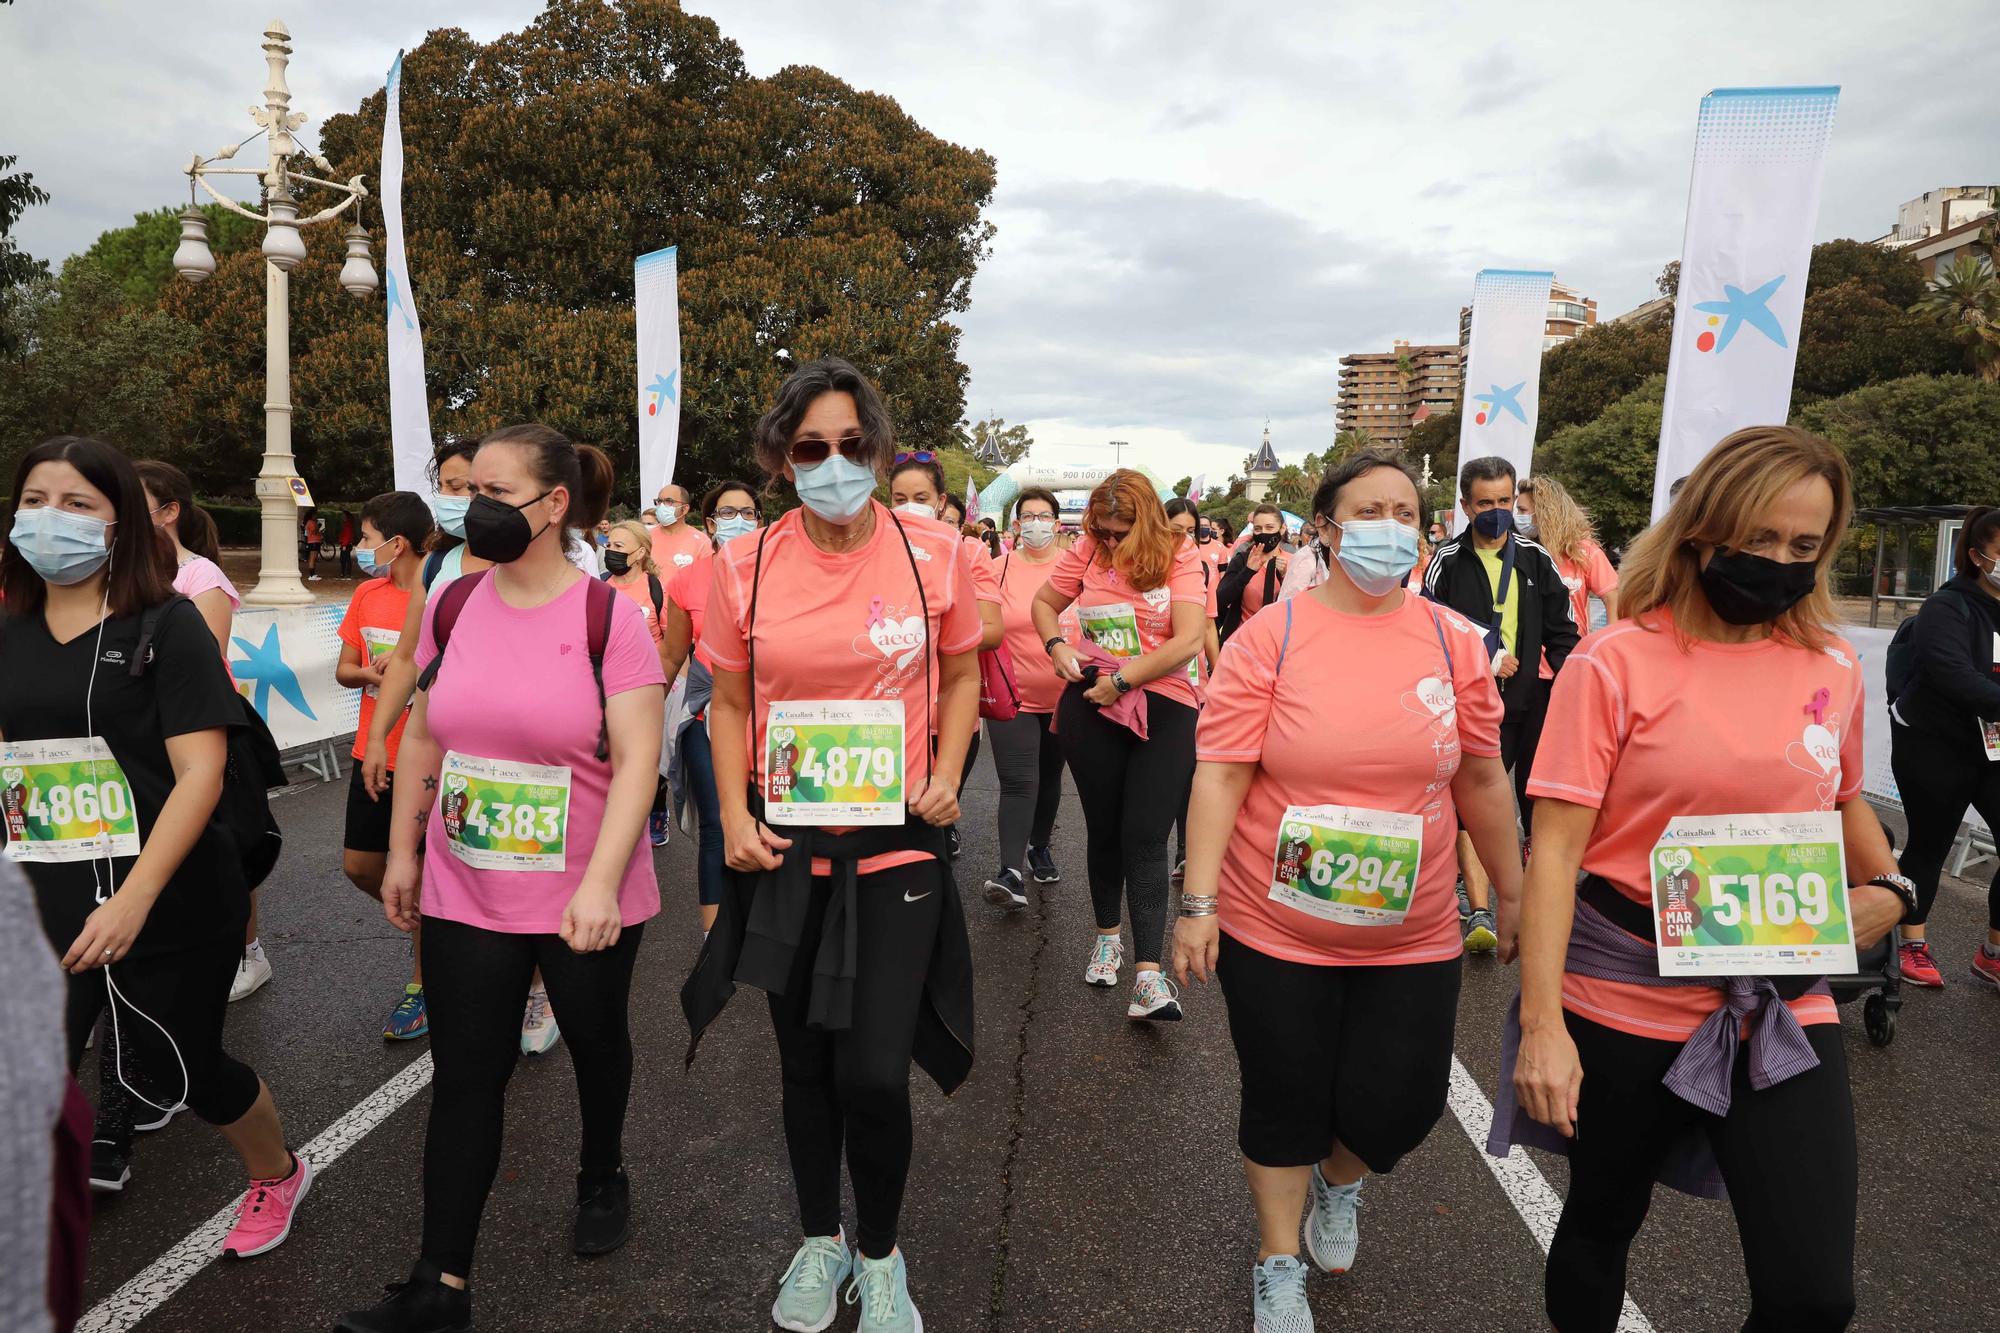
(1787, 1155)
(1029, 760)
(1131, 790)
(1938, 778)
(852, 1087)
(187, 993)
(475, 982)
(1520, 737)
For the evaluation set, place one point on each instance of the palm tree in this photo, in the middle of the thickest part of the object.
(1350, 442)
(1964, 300)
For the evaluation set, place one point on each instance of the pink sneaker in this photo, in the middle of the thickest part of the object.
(1986, 967)
(1919, 968)
(264, 1218)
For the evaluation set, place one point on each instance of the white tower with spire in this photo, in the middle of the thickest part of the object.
(1263, 469)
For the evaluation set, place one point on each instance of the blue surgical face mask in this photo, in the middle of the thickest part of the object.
(63, 548)
(1493, 523)
(365, 557)
(451, 514)
(1377, 553)
(666, 513)
(835, 489)
(728, 529)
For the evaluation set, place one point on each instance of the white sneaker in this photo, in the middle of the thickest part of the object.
(1105, 960)
(1278, 1296)
(1333, 1232)
(252, 971)
(1153, 998)
(538, 1025)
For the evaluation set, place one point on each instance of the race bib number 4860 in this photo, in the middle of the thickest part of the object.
(1347, 865)
(834, 762)
(66, 800)
(1752, 895)
(505, 816)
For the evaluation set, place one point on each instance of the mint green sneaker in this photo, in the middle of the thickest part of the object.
(882, 1286)
(1278, 1296)
(808, 1294)
(1332, 1230)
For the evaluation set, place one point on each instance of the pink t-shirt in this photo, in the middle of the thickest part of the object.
(689, 591)
(676, 551)
(200, 575)
(985, 574)
(1106, 602)
(847, 625)
(1355, 717)
(516, 687)
(1592, 576)
(1035, 676)
(635, 585)
(1641, 731)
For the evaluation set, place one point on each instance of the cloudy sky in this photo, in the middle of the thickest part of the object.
(1202, 206)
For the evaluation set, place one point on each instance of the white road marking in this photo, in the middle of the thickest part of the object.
(1519, 1177)
(173, 1270)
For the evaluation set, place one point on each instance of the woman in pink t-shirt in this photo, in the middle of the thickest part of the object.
(1347, 733)
(1554, 521)
(1139, 594)
(842, 637)
(1027, 755)
(1721, 700)
(728, 511)
(525, 771)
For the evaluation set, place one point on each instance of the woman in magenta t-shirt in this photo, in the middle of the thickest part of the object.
(528, 797)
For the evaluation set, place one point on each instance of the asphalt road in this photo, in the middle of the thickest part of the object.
(1086, 1178)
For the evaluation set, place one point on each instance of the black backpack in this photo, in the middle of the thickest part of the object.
(659, 595)
(253, 767)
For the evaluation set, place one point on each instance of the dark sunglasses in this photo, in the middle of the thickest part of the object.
(1103, 538)
(810, 453)
(915, 456)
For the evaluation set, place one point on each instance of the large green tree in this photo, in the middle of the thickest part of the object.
(140, 258)
(1582, 377)
(1925, 439)
(811, 218)
(1607, 463)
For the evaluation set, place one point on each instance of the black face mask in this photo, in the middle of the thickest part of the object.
(498, 531)
(1493, 523)
(617, 562)
(1267, 540)
(1747, 589)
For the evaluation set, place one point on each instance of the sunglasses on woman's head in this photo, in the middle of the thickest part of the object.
(915, 456)
(811, 453)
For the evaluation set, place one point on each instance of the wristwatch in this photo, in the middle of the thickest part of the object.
(1901, 886)
(1119, 683)
(1049, 644)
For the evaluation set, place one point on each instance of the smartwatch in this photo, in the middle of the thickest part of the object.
(1901, 886)
(1049, 644)
(1119, 683)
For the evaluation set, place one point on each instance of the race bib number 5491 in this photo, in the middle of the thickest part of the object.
(66, 800)
(1752, 895)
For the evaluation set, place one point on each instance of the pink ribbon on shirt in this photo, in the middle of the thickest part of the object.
(1821, 698)
(874, 612)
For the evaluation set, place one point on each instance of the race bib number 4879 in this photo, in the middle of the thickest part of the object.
(1752, 895)
(66, 800)
(834, 762)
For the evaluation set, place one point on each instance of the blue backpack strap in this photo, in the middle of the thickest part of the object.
(1451, 668)
(1285, 644)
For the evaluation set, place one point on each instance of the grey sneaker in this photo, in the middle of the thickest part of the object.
(1006, 890)
(809, 1293)
(882, 1288)
(1332, 1229)
(1480, 936)
(1278, 1296)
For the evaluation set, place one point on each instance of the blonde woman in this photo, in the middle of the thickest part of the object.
(1550, 517)
(629, 567)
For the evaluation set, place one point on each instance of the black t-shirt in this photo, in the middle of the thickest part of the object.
(185, 689)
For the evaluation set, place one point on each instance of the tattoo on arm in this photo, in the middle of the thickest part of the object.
(430, 784)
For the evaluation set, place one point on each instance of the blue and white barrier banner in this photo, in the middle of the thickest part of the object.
(1503, 366)
(283, 659)
(1759, 155)
(409, 402)
(657, 314)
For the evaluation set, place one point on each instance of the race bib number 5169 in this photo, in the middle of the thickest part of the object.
(1752, 895)
(66, 800)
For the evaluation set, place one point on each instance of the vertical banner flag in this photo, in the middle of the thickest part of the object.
(409, 401)
(1503, 365)
(1759, 154)
(1198, 487)
(657, 302)
(971, 498)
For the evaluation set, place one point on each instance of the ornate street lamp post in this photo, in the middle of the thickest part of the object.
(278, 581)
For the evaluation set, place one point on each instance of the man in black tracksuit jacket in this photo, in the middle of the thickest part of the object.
(1460, 578)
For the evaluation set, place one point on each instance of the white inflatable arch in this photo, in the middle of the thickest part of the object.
(997, 498)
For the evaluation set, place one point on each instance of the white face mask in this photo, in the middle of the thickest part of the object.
(917, 507)
(1037, 533)
(1993, 573)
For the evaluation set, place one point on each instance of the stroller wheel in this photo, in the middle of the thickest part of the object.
(1879, 1020)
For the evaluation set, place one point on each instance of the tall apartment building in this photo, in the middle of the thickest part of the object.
(1570, 313)
(1387, 393)
(1942, 225)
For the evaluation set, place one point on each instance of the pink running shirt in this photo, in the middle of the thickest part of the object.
(1096, 583)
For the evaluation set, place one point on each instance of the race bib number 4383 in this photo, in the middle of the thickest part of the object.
(834, 762)
(505, 816)
(1347, 865)
(66, 800)
(1752, 895)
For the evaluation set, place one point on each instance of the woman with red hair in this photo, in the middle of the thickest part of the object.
(1139, 593)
